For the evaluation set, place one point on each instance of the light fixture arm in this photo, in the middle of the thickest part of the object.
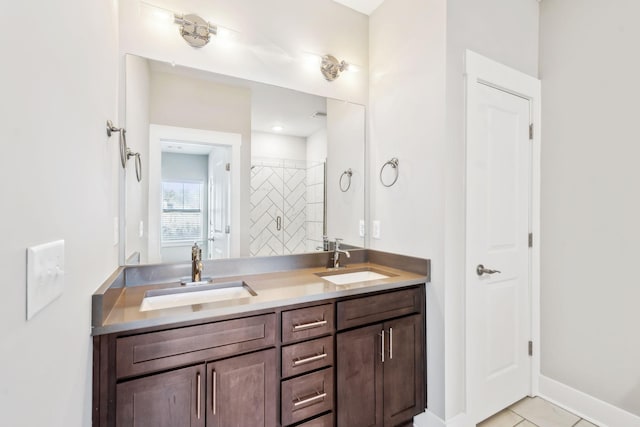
(195, 30)
(331, 68)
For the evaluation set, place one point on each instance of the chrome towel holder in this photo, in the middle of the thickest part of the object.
(125, 152)
(394, 164)
(348, 173)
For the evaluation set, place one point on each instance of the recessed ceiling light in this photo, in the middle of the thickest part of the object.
(277, 128)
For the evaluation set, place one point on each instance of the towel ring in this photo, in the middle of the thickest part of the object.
(394, 164)
(125, 151)
(348, 173)
(138, 163)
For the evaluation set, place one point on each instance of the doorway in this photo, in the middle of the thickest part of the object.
(191, 188)
(502, 223)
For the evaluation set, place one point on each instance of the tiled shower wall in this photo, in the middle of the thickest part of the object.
(281, 188)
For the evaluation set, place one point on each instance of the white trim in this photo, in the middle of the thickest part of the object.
(586, 406)
(157, 133)
(487, 71)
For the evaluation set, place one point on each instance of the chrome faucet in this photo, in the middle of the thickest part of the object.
(336, 253)
(196, 263)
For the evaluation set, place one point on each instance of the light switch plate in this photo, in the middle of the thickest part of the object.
(45, 275)
(116, 230)
(376, 229)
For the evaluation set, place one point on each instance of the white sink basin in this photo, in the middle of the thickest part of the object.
(354, 276)
(177, 297)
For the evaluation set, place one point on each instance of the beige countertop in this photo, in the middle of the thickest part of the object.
(273, 290)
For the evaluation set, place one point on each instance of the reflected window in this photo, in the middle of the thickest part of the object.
(182, 214)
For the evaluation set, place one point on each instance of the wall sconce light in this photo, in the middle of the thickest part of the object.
(331, 68)
(195, 30)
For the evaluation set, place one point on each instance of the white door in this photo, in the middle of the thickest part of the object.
(219, 203)
(497, 263)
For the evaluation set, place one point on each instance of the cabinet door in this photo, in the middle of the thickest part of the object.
(242, 391)
(359, 377)
(172, 399)
(403, 370)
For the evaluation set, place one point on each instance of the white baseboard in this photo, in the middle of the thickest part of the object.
(588, 407)
(429, 419)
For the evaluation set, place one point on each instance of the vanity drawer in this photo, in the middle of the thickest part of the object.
(375, 308)
(307, 356)
(156, 351)
(306, 396)
(307, 322)
(323, 421)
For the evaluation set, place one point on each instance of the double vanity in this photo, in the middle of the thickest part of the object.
(278, 341)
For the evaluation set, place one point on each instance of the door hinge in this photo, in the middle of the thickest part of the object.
(530, 240)
(530, 348)
(531, 132)
(227, 167)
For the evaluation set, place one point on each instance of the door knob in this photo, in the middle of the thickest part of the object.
(480, 270)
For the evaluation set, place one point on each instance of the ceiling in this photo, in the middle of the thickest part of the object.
(270, 105)
(362, 6)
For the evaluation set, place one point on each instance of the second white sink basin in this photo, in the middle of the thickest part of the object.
(177, 297)
(354, 276)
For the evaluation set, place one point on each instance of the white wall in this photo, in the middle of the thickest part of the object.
(59, 181)
(407, 92)
(345, 129)
(212, 106)
(136, 123)
(590, 206)
(274, 146)
(317, 146)
(505, 31)
(272, 41)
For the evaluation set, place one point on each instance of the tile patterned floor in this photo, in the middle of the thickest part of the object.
(535, 412)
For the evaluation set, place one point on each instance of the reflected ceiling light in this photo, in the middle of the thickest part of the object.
(331, 68)
(277, 128)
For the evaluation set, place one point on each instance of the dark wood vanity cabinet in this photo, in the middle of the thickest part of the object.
(170, 399)
(348, 362)
(242, 391)
(380, 367)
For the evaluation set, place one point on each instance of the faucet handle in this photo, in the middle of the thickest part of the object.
(338, 241)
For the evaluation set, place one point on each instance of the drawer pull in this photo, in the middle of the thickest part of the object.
(198, 395)
(300, 361)
(317, 396)
(309, 325)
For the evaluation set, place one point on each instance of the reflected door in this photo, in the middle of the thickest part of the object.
(218, 241)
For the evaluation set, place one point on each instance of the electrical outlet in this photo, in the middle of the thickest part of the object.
(361, 228)
(376, 229)
(45, 275)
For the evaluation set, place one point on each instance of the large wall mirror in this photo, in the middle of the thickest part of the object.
(240, 167)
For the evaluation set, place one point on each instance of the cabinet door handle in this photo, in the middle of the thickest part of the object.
(390, 343)
(309, 325)
(309, 359)
(279, 223)
(214, 386)
(198, 395)
(310, 399)
(382, 341)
